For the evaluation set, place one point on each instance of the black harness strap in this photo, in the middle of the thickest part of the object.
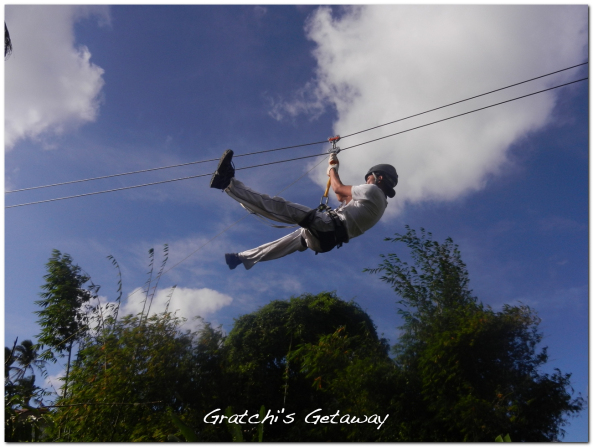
(327, 239)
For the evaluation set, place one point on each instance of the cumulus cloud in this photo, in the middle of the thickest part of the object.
(186, 302)
(260, 11)
(55, 381)
(377, 64)
(51, 85)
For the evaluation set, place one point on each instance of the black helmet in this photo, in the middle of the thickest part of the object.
(386, 171)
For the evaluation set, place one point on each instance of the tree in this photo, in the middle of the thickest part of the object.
(23, 423)
(7, 42)
(359, 379)
(129, 375)
(15, 382)
(256, 351)
(63, 318)
(470, 373)
(27, 357)
(9, 360)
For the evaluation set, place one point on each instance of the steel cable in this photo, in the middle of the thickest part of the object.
(463, 100)
(287, 147)
(304, 157)
(161, 167)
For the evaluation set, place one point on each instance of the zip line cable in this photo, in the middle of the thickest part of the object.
(465, 113)
(162, 167)
(290, 147)
(463, 100)
(299, 158)
(159, 182)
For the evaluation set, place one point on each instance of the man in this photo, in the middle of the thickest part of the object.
(362, 207)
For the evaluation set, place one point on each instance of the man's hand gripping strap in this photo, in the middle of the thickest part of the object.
(334, 150)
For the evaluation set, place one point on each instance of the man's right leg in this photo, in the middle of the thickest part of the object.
(275, 208)
(273, 250)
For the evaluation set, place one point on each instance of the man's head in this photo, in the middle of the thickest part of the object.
(385, 177)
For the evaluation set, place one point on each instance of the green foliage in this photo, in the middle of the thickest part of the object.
(186, 431)
(127, 376)
(27, 357)
(260, 426)
(460, 370)
(256, 357)
(358, 377)
(499, 438)
(234, 428)
(63, 318)
(237, 431)
(468, 372)
(23, 423)
(436, 282)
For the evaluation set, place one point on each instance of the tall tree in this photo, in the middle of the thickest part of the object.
(63, 318)
(7, 42)
(129, 376)
(23, 422)
(258, 346)
(357, 377)
(471, 373)
(9, 361)
(27, 357)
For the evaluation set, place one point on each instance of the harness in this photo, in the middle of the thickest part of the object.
(327, 239)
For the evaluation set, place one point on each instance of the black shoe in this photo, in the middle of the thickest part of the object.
(225, 171)
(232, 260)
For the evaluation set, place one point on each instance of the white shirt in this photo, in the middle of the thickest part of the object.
(364, 210)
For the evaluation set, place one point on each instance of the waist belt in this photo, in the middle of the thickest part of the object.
(327, 239)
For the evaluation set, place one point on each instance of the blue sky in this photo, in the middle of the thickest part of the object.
(94, 91)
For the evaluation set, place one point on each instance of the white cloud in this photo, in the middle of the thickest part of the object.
(50, 83)
(380, 63)
(260, 11)
(186, 302)
(55, 382)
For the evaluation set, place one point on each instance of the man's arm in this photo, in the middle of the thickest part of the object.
(343, 192)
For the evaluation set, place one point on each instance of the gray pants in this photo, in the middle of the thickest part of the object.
(280, 210)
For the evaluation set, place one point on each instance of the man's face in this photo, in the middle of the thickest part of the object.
(371, 179)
